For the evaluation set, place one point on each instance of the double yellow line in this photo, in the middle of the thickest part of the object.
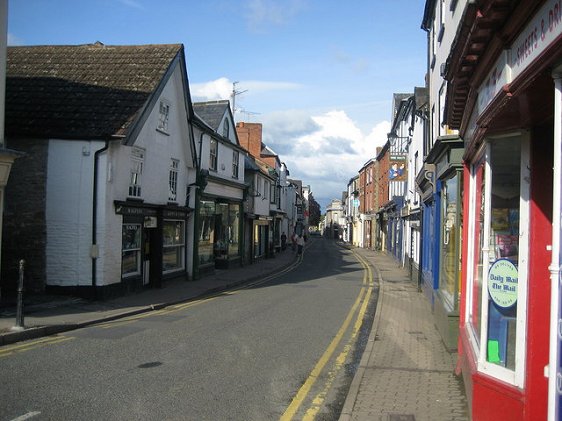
(359, 306)
(51, 340)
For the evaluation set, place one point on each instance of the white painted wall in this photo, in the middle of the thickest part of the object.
(69, 211)
(70, 192)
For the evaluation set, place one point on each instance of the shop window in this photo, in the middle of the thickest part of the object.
(213, 155)
(222, 231)
(497, 280)
(137, 163)
(206, 232)
(449, 272)
(131, 249)
(234, 230)
(174, 245)
(173, 180)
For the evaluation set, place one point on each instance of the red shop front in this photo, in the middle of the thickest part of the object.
(507, 122)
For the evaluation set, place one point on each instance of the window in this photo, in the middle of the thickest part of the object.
(130, 249)
(213, 155)
(449, 274)
(498, 255)
(173, 180)
(206, 232)
(163, 116)
(226, 129)
(442, 16)
(235, 163)
(174, 245)
(137, 162)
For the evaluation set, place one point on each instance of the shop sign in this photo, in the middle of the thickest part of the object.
(540, 33)
(134, 211)
(502, 283)
(174, 214)
(497, 78)
(397, 171)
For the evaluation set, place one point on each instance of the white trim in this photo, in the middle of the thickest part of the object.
(553, 408)
(479, 344)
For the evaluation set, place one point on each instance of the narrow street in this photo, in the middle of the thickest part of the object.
(284, 347)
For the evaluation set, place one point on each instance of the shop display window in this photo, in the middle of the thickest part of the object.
(450, 274)
(234, 230)
(206, 232)
(497, 275)
(131, 249)
(174, 245)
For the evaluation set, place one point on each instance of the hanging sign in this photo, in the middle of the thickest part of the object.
(502, 283)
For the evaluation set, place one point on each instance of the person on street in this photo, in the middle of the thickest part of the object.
(300, 244)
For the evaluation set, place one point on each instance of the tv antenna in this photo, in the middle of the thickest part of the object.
(248, 113)
(234, 94)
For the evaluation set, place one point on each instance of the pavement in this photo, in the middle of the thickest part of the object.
(405, 373)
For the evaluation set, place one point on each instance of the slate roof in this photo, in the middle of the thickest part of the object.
(91, 91)
(211, 112)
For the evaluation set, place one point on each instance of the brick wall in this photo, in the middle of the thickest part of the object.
(250, 137)
(24, 228)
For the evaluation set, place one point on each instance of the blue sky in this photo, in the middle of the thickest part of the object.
(319, 74)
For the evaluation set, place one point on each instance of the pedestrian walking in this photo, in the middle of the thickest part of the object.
(283, 241)
(300, 244)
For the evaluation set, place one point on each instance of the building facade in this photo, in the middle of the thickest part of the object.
(90, 215)
(506, 105)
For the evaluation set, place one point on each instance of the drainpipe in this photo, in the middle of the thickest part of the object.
(94, 252)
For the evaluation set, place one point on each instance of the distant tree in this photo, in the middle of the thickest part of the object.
(314, 211)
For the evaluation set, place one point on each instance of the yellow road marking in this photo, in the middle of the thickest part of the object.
(33, 344)
(305, 388)
(318, 400)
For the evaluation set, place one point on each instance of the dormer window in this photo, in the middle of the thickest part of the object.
(163, 116)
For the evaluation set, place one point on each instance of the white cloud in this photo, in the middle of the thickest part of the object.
(14, 40)
(324, 150)
(208, 91)
(222, 88)
(133, 3)
(262, 14)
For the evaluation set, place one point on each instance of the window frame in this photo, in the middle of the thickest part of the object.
(235, 164)
(138, 156)
(213, 154)
(173, 180)
(478, 342)
(163, 116)
(178, 246)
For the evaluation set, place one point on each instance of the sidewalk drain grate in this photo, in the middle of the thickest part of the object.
(401, 417)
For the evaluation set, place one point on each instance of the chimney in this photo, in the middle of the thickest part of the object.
(250, 136)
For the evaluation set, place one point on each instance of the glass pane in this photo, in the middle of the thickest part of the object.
(131, 236)
(234, 235)
(130, 262)
(172, 258)
(173, 233)
(478, 210)
(206, 231)
(449, 275)
(504, 250)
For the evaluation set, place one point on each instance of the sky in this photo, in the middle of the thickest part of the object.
(318, 74)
